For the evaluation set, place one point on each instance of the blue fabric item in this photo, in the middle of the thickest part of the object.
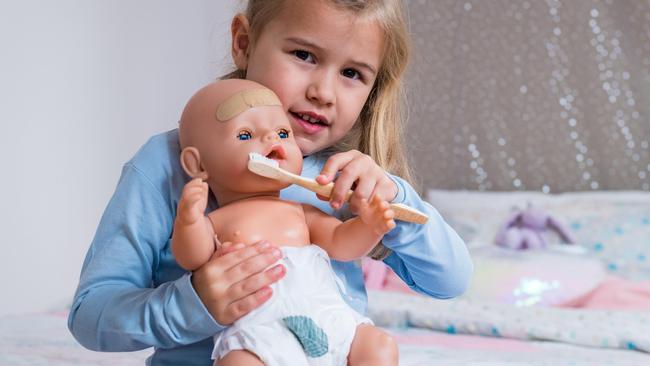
(312, 338)
(132, 295)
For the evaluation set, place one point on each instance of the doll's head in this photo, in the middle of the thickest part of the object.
(224, 122)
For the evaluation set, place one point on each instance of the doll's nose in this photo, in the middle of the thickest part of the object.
(271, 136)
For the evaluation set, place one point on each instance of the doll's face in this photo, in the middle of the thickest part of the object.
(222, 124)
(265, 130)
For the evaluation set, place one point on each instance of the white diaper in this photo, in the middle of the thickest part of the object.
(311, 289)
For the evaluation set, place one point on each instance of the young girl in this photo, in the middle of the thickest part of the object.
(337, 67)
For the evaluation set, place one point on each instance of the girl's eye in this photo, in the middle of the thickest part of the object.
(351, 73)
(283, 133)
(244, 135)
(304, 55)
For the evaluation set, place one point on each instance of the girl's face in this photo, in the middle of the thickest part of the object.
(321, 61)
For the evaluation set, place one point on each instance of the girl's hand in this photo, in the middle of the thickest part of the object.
(236, 279)
(359, 172)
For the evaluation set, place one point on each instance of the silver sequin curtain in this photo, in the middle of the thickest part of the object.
(530, 95)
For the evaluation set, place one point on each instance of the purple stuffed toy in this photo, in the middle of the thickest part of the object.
(524, 229)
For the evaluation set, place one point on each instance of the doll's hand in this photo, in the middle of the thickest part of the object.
(236, 279)
(359, 172)
(193, 202)
(377, 215)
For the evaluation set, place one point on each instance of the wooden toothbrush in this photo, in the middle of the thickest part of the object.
(270, 168)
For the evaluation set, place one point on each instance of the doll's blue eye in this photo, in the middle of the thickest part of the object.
(244, 135)
(283, 134)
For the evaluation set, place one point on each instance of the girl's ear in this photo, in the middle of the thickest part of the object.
(191, 163)
(240, 31)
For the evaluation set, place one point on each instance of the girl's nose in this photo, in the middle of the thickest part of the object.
(321, 89)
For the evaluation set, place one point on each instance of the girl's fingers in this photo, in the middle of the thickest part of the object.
(241, 307)
(247, 264)
(364, 189)
(334, 164)
(342, 185)
(227, 247)
(256, 282)
(225, 257)
(214, 280)
(248, 251)
(323, 179)
(354, 173)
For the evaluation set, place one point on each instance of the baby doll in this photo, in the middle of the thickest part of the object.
(306, 321)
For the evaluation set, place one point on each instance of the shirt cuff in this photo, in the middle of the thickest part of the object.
(400, 197)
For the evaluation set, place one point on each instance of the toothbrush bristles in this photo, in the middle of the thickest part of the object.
(261, 158)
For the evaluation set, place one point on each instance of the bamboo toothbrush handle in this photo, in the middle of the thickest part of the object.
(402, 212)
(406, 213)
(323, 190)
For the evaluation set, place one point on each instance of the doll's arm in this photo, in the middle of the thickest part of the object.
(193, 235)
(353, 238)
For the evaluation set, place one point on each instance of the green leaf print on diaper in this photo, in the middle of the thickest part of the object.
(312, 338)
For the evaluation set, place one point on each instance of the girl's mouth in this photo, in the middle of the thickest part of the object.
(309, 123)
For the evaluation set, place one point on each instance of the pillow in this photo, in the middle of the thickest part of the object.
(613, 226)
(521, 278)
(542, 277)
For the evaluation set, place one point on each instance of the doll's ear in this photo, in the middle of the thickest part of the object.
(191, 163)
(240, 31)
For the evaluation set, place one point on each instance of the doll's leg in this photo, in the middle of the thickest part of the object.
(372, 346)
(239, 357)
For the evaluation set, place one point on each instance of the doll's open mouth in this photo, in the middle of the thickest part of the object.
(277, 153)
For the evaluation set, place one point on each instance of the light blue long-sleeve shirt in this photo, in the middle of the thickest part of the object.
(133, 295)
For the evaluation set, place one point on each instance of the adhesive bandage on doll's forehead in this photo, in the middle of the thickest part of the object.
(245, 100)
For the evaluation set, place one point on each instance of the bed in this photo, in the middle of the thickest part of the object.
(43, 339)
(598, 311)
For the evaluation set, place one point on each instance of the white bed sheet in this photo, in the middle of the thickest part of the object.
(43, 339)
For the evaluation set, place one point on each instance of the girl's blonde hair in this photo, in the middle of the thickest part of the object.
(378, 130)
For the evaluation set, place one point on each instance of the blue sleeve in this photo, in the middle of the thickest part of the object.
(117, 307)
(431, 258)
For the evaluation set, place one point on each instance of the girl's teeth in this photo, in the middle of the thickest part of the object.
(309, 119)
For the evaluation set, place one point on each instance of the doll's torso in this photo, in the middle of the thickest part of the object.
(247, 221)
